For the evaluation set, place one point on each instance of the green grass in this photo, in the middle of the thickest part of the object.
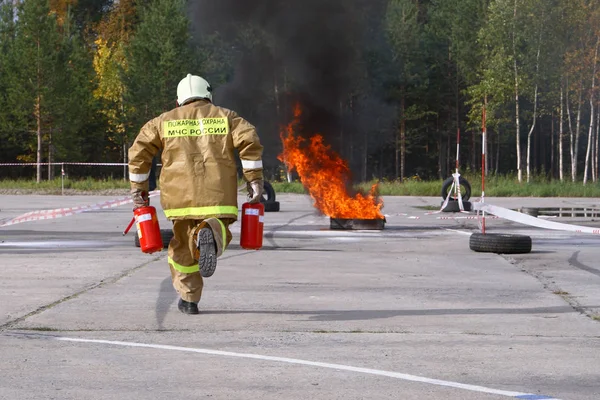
(288, 187)
(42, 329)
(55, 185)
(495, 186)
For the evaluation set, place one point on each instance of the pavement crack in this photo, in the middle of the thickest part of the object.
(554, 288)
(103, 282)
(41, 330)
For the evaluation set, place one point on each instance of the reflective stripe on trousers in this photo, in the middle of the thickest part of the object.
(211, 210)
(183, 253)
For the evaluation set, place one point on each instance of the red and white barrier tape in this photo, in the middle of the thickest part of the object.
(498, 212)
(61, 163)
(530, 220)
(469, 217)
(65, 212)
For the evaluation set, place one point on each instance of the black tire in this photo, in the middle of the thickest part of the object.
(453, 206)
(500, 243)
(165, 234)
(465, 190)
(271, 206)
(268, 194)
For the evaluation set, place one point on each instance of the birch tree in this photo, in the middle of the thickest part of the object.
(592, 114)
(574, 76)
(594, 21)
(499, 76)
(539, 25)
(453, 27)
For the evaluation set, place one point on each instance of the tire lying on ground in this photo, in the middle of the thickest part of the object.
(500, 243)
(165, 234)
(453, 206)
(465, 188)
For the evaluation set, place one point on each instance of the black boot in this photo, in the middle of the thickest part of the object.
(187, 307)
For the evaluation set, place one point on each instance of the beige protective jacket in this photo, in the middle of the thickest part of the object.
(199, 175)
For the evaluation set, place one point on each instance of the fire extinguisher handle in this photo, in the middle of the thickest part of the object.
(129, 226)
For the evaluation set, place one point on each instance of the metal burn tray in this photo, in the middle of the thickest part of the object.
(356, 224)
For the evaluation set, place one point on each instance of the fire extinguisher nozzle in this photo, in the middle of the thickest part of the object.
(129, 226)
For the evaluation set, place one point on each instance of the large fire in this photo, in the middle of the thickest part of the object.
(325, 175)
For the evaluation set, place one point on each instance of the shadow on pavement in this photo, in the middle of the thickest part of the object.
(355, 315)
(166, 297)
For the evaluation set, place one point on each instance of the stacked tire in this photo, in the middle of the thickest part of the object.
(268, 198)
(453, 204)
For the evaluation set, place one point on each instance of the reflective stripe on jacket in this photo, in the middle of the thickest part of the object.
(198, 176)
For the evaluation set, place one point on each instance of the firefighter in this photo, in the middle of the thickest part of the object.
(198, 180)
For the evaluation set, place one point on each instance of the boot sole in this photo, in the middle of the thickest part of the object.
(208, 252)
(188, 310)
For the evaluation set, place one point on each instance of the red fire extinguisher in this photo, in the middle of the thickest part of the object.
(148, 229)
(252, 226)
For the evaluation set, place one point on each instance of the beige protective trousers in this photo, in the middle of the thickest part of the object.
(184, 254)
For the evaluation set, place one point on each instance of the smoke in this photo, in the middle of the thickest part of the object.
(283, 51)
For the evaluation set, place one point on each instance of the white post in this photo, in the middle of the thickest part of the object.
(483, 129)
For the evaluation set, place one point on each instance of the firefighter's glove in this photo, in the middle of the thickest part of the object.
(140, 198)
(255, 191)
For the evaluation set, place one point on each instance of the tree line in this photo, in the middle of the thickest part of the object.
(392, 84)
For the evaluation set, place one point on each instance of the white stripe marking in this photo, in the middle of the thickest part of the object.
(390, 374)
(461, 232)
(247, 164)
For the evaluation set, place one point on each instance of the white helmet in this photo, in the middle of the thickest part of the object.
(193, 87)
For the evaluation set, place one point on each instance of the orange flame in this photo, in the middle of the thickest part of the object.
(325, 175)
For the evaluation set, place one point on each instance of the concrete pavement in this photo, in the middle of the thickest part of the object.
(405, 313)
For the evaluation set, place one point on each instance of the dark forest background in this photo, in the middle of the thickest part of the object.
(388, 83)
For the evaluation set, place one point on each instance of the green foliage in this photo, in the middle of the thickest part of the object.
(159, 56)
(9, 142)
(74, 105)
(403, 30)
(47, 81)
(34, 68)
(94, 71)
